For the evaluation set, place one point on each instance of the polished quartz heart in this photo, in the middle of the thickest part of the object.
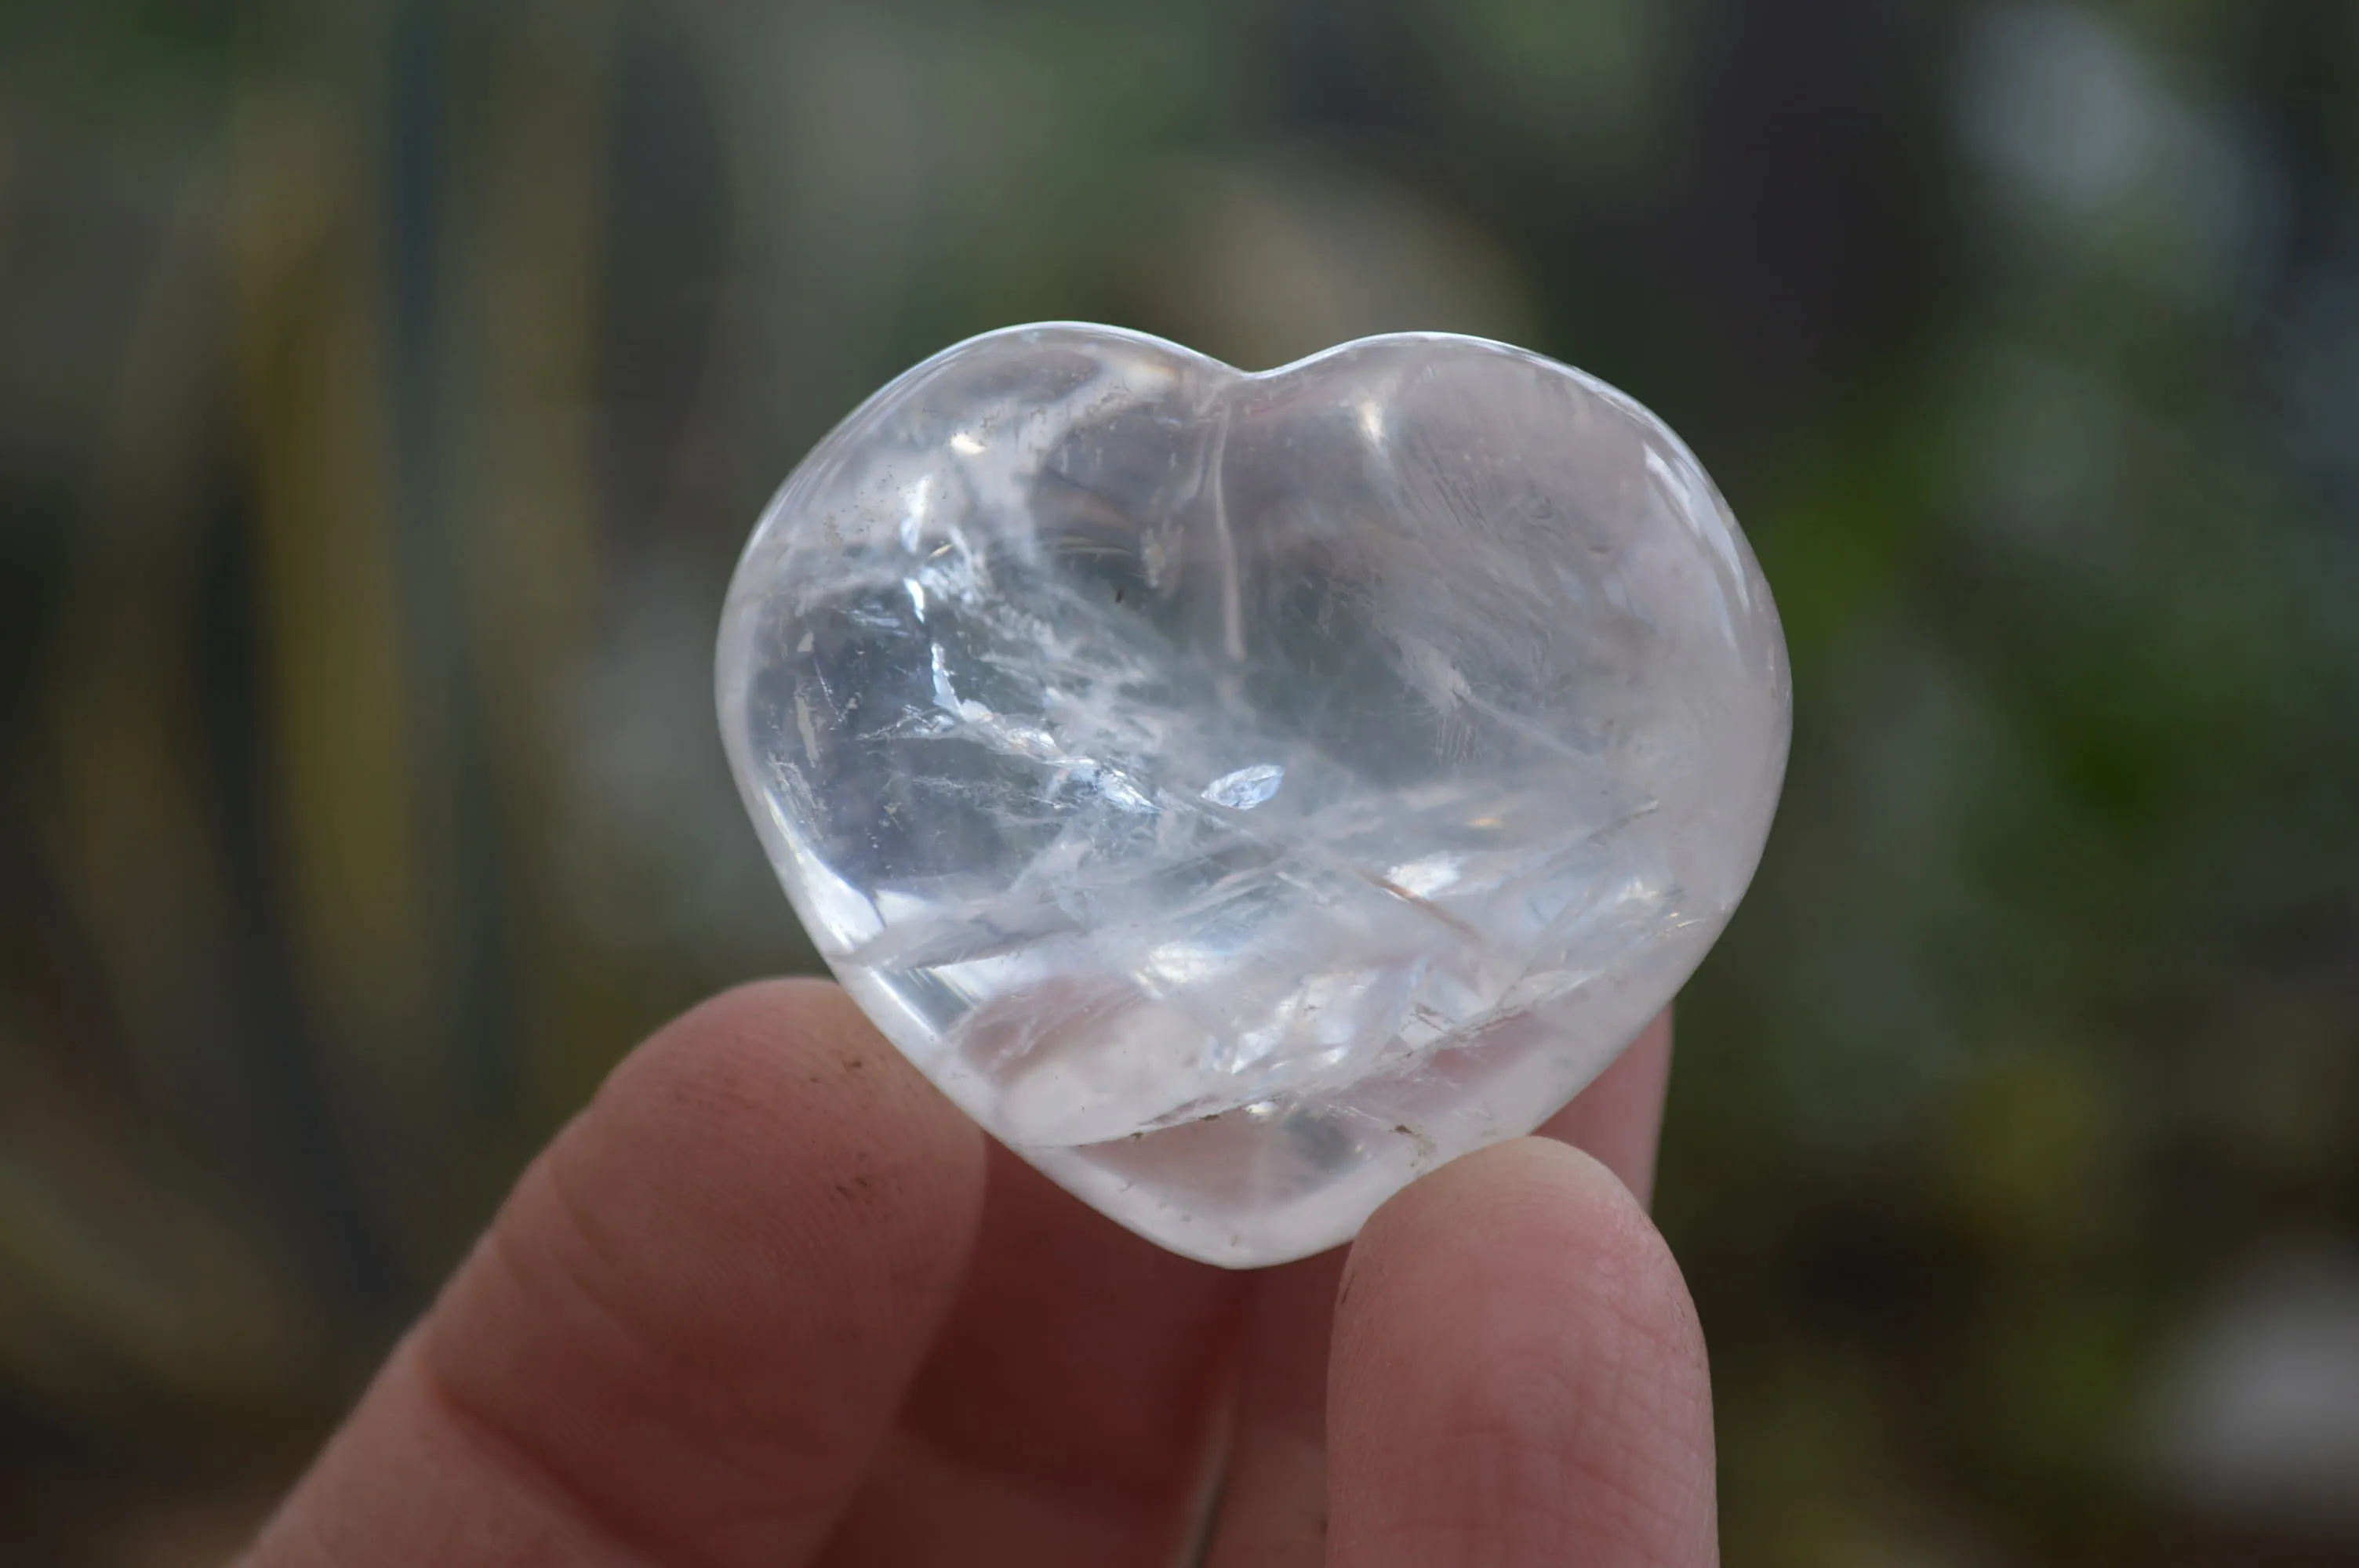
(1241, 793)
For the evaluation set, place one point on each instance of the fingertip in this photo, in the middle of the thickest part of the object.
(1518, 1375)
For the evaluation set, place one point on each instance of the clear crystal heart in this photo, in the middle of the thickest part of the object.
(1241, 794)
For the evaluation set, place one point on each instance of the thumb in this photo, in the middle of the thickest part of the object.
(1518, 1377)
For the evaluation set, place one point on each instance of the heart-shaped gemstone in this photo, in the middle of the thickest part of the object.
(1241, 793)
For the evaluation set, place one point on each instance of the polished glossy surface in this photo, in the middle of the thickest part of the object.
(1242, 793)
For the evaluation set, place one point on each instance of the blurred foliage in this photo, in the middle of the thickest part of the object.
(389, 385)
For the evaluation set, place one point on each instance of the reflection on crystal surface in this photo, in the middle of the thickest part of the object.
(1241, 794)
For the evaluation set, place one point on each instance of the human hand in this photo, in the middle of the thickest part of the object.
(758, 1304)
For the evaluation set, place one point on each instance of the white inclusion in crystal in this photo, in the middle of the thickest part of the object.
(916, 595)
(803, 727)
(1120, 792)
(1175, 965)
(1428, 669)
(1322, 1021)
(919, 504)
(896, 907)
(1425, 876)
(966, 445)
(950, 570)
(946, 696)
(1245, 788)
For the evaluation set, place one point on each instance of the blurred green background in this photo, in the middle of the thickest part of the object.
(386, 388)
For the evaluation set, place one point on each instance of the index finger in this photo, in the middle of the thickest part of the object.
(685, 1332)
